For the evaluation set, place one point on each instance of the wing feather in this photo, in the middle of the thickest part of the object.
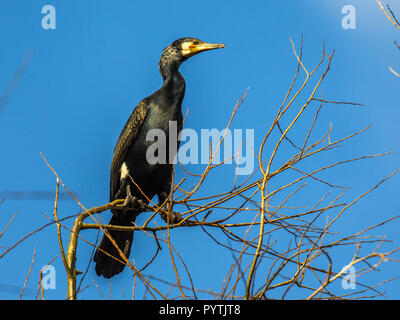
(125, 141)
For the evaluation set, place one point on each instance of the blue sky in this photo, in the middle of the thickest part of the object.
(85, 77)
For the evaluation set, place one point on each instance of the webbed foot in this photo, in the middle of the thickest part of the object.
(132, 202)
(171, 216)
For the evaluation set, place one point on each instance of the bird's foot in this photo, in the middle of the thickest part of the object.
(171, 216)
(132, 202)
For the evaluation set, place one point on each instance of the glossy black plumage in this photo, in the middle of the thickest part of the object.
(155, 111)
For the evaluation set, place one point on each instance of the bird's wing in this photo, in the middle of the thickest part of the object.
(125, 141)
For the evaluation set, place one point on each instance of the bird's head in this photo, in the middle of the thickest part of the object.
(189, 47)
(184, 48)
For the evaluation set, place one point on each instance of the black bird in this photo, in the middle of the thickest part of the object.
(129, 162)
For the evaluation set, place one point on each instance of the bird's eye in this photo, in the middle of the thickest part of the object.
(195, 42)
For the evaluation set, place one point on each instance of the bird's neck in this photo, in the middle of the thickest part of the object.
(174, 83)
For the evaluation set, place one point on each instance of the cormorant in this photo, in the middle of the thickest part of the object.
(129, 161)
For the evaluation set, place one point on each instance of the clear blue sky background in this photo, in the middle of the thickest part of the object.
(85, 77)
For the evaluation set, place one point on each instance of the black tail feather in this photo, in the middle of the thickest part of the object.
(106, 265)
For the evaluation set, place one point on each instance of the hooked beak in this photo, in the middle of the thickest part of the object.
(204, 46)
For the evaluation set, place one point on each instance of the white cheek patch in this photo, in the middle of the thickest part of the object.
(124, 171)
(185, 48)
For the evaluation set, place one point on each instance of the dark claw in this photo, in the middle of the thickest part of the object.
(141, 203)
(131, 201)
(174, 217)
